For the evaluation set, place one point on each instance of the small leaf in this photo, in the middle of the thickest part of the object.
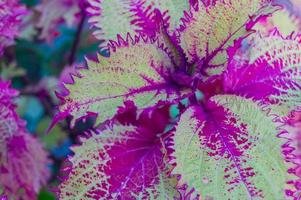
(10, 71)
(228, 149)
(54, 138)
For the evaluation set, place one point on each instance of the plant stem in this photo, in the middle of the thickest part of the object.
(77, 38)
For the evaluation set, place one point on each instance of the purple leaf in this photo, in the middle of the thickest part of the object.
(23, 161)
(122, 161)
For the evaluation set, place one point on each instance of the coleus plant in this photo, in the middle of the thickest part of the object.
(134, 16)
(293, 147)
(286, 21)
(23, 161)
(191, 111)
(56, 12)
(10, 18)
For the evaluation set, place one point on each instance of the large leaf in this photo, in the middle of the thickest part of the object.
(136, 71)
(285, 21)
(23, 167)
(208, 31)
(23, 161)
(9, 126)
(172, 11)
(9, 121)
(292, 150)
(121, 162)
(105, 13)
(272, 73)
(228, 149)
(11, 16)
(134, 16)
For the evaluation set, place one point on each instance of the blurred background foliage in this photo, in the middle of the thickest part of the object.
(35, 66)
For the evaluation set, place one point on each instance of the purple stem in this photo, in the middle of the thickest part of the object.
(77, 38)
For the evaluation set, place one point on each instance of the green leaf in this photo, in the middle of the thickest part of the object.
(54, 137)
(10, 71)
(46, 195)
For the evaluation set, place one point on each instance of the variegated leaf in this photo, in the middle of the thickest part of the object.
(23, 167)
(111, 18)
(134, 16)
(9, 126)
(209, 30)
(271, 74)
(228, 149)
(9, 121)
(292, 151)
(285, 22)
(121, 162)
(23, 161)
(11, 14)
(136, 70)
(172, 11)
